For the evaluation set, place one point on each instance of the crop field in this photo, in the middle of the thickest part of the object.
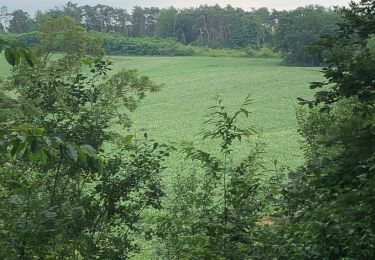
(192, 83)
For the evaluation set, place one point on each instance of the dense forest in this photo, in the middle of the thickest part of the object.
(291, 33)
(73, 187)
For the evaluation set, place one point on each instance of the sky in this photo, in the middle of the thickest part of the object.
(32, 6)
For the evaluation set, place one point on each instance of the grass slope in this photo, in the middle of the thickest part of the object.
(4, 67)
(192, 83)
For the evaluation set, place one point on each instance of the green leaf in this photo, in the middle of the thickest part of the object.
(82, 156)
(10, 57)
(89, 150)
(17, 56)
(43, 156)
(59, 141)
(127, 139)
(34, 146)
(26, 54)
(34, 157)
(16, 144)
(72, 152)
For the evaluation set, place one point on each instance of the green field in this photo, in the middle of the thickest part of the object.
(4, 67)
(192, 83)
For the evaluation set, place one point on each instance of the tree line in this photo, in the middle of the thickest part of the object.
(290, 32)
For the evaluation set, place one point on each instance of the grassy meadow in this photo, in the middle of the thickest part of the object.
(192, 83)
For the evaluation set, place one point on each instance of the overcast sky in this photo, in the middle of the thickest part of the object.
(32, 5)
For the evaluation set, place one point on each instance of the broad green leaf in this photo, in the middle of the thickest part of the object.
(34, 146)
(17, 55)
(72, 152)
(89, 150)
(34, 157)
(10, 57)
(26, 54)
(14, 150)
(43, 156)
(82, 156)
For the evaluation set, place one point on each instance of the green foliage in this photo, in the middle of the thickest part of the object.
(143, 46)
(29, 39)
(292, 33)
(298, 30)
(64, 35)
(329, 202)
(266, 53)
(71, 187)
(219, 200)
(62, 193)
(211, 26)
(165, 26)
(371, 44)
(32, 144)
(119, 45)
(20, 22)
(209, 52)
(14, 54)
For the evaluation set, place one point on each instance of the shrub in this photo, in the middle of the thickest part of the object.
(266, 53)
(250, 51)
(116, 44)
(29, 39)
(213, 209)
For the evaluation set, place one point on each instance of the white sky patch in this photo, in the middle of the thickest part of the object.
(33, 5)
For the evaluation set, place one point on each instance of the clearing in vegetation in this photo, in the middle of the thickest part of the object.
(192, 83)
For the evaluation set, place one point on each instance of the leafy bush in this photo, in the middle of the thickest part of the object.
(115, 44)
(118, 45)
(216, 201)
(266, 53)
(7, 37)
(329, 203)
(62, 194)
(209, 52)
(29, 39)
(250, 51)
